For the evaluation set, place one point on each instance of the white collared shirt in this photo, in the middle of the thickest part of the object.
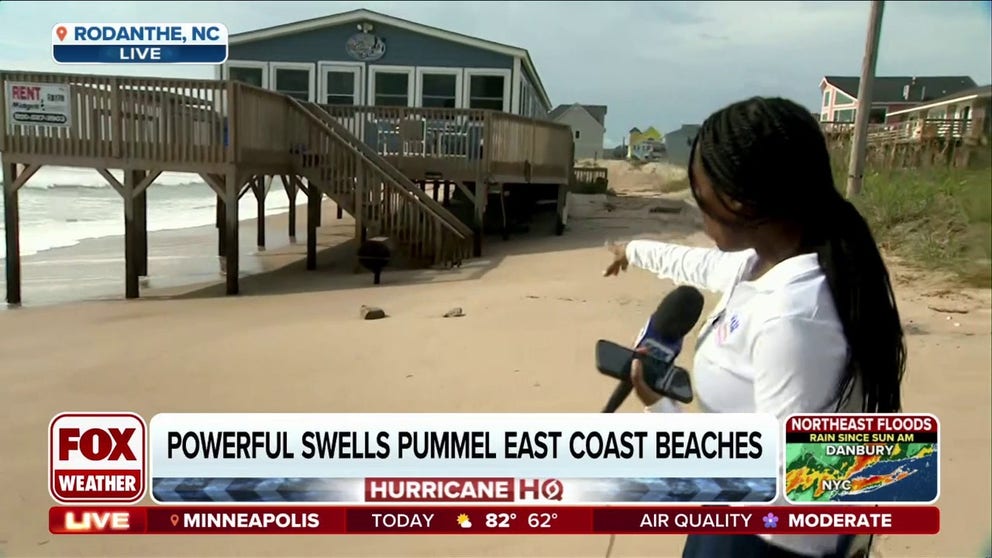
(772, 345)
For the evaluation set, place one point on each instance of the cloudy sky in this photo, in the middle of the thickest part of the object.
(660, 64)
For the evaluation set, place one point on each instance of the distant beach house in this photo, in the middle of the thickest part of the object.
(678, 143)
(963, 105)
(364, 58)
(889, 94)
(965, 111)
(588, 124)
(645, 144)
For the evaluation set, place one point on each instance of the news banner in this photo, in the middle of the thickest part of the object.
(338, 474)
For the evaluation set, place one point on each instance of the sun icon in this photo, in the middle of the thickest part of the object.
(464, 521)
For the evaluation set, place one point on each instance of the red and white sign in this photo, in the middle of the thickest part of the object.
(96, 457)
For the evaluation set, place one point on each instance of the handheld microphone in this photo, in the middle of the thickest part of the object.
(662, 336)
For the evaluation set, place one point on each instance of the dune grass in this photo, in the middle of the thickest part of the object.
(935, 218)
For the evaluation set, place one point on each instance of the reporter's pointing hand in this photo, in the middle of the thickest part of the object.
(620, 263)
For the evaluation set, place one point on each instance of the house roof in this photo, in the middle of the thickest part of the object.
(982, 92)
(889, 89)
(689, 128)
(362, 15)
(598, 112)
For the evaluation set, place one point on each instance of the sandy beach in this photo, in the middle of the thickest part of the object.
(293, 342)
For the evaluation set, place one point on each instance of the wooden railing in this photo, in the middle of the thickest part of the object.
(910, 130)
(542, 148)
(207, 126)
(386, 202)
(454, 136)
(169, 121)
(401, 180)
(591, 175)
(485, 142)
(195, 124)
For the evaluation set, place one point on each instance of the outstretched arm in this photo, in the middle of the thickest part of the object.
(703, 268)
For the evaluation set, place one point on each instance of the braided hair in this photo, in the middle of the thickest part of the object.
(769, 156)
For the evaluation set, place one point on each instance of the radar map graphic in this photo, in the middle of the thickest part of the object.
(889, 468)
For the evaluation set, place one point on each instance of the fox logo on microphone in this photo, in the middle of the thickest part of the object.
(96, 457)
(540, 489)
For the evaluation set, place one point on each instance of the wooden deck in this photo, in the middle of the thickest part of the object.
(234, 135)
(915, 143)
(451, 144)
(908, 131)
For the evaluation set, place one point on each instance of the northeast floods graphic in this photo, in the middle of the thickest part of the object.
(859, 472)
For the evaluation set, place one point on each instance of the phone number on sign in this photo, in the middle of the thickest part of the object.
(40, 117)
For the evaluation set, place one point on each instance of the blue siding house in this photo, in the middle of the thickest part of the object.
(364, 58)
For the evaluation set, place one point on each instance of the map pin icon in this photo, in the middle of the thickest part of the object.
(174, 518)
(60, 31)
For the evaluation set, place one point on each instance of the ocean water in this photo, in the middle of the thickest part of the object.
(61, 206)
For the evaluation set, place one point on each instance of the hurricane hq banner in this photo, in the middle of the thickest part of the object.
(464, 458)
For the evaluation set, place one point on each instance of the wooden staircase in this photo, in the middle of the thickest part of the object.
(383, 201)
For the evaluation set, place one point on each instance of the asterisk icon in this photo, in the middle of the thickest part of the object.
(771, 521)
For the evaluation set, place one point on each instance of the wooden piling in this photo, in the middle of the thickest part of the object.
(313, 221)
(132, 242)
(232, 187)
(561, 209)
(505, 224)
(361, 192)
(221, 216)
(260, 188)
(480, 199)
(289, 184)
(141, 222)
(12, 233)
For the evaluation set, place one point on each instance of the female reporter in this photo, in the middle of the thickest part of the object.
(807, 321)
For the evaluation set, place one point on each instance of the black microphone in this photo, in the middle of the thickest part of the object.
(662, 336)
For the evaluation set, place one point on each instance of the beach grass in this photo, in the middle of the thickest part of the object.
(936, 218)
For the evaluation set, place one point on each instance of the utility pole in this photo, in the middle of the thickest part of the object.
(859, 145)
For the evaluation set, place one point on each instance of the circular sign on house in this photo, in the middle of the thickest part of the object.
(365, 47)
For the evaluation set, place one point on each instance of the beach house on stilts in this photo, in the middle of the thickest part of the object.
(414, 131)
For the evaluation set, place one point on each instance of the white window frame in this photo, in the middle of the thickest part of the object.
(325, 66)
(249, 65)
(506, 74)
(374, 69)
(523, 97)
(434, 70)
(309, 66)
